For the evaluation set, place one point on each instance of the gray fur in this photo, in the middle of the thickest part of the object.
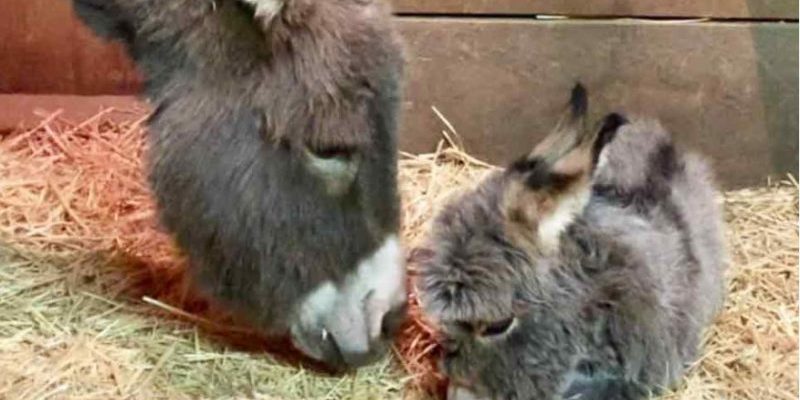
(616, 310)
(272, 148)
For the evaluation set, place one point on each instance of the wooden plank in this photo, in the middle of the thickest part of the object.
(19, 111)
(742, 9)
(729, 90)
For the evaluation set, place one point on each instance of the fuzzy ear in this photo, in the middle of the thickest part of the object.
(606, 133)
(264, 11)
(550, 187)
(106, 18)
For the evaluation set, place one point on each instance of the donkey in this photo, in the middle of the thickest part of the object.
(272, 157)
(587, 269)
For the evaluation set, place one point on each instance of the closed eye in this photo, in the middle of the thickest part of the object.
(338, 152)
(336, 166)
(496, 328)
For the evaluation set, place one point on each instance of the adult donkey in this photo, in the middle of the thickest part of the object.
(273, 158)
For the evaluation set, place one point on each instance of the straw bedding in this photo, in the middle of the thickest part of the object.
(94, 304)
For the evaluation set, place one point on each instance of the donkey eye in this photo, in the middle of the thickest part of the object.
(335, 166)
(333, 152)
(497, 328)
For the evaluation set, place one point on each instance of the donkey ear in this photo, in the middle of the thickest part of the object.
(550, 186)
(264, 11)
(106, 18)
(605, 134)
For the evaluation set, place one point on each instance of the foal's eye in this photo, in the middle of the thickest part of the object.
(496, 328)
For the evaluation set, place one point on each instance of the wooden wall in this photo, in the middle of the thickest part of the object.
(718, 9)
(726, 84)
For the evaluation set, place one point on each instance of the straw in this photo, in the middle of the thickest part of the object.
(95, 302)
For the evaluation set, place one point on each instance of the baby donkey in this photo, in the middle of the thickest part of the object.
(588, 269)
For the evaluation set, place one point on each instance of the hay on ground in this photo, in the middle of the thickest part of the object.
(94, 302)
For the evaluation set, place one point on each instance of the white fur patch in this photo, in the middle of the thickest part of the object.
(381, 281)
(551, 226)
(354, 311)
(266, 10)
(310, 316)
(318, 303)
(602, 161)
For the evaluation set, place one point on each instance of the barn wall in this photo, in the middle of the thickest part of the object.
(726, 85)
(718, 9)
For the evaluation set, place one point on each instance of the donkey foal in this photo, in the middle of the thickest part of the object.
(586, 270)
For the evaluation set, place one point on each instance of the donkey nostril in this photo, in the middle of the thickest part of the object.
(334, 355)
(393, 320)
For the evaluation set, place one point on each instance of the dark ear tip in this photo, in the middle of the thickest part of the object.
(613, 121)
(525, 164)
(579, 101)
(579, 89)
(608, 130)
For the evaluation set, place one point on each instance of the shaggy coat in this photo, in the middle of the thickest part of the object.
(586, 270)
(273, 157)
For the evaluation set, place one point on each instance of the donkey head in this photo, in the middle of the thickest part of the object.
(273, 158)
(487, 283)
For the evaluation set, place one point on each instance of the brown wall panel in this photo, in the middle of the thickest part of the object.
(729, 89)
(44, 49)
(745, 9)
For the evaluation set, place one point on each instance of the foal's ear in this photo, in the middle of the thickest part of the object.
(107, 18)
(550, 187)
(264, 11)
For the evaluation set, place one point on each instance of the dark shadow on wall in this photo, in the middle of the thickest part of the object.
(777, 57)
